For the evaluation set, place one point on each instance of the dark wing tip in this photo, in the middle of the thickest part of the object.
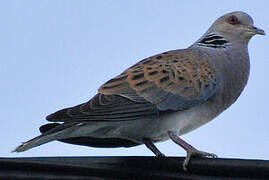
(61, 114)
(47, 127)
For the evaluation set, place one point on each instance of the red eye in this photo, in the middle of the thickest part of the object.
(233, 20)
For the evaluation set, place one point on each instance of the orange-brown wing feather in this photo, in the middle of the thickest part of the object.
(176, 74)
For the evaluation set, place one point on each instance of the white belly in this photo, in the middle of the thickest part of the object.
(183, 122)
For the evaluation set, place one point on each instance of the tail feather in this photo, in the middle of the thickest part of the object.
(61, 131)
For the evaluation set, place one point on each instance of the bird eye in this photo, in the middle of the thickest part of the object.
(233, 20)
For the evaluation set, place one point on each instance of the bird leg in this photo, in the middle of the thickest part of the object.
(152, 147)
(191, 151)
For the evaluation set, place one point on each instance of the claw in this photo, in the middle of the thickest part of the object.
(196, 153)
(191, 151)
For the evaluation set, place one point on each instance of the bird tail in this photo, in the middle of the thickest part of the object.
(60, 131)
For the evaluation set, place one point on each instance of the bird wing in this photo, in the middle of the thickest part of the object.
(174, 80)
(105, 108)
(171, 81)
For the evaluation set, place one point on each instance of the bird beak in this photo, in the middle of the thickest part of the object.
(256, 30)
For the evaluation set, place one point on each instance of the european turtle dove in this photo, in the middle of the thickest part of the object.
(163, 96)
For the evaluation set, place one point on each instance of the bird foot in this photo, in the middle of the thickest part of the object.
(191, 151)
(196, 153)
(160, 155)
(153, 148)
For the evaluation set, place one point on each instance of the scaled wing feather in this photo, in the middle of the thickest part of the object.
(175, 80)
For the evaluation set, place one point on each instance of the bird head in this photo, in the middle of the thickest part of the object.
(235, 26)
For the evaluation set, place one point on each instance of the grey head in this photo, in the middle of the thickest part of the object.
(234, 27)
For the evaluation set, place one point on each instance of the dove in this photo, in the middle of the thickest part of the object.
(162, 96)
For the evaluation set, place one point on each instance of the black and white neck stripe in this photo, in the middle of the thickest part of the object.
(213, 41)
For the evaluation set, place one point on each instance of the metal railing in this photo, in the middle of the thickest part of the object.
(131, 168)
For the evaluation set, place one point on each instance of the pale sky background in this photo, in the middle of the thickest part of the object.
(55, 54)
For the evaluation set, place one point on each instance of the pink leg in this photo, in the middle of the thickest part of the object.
(152, 147)
(191, 151)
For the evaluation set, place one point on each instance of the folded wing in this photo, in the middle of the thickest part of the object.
(174, 80)
(171, 81)
(105, 108)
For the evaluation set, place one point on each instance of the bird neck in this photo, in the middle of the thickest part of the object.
(212, 40)
(232, 67)
(237, 71)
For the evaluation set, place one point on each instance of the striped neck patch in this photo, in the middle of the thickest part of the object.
(213, 41)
